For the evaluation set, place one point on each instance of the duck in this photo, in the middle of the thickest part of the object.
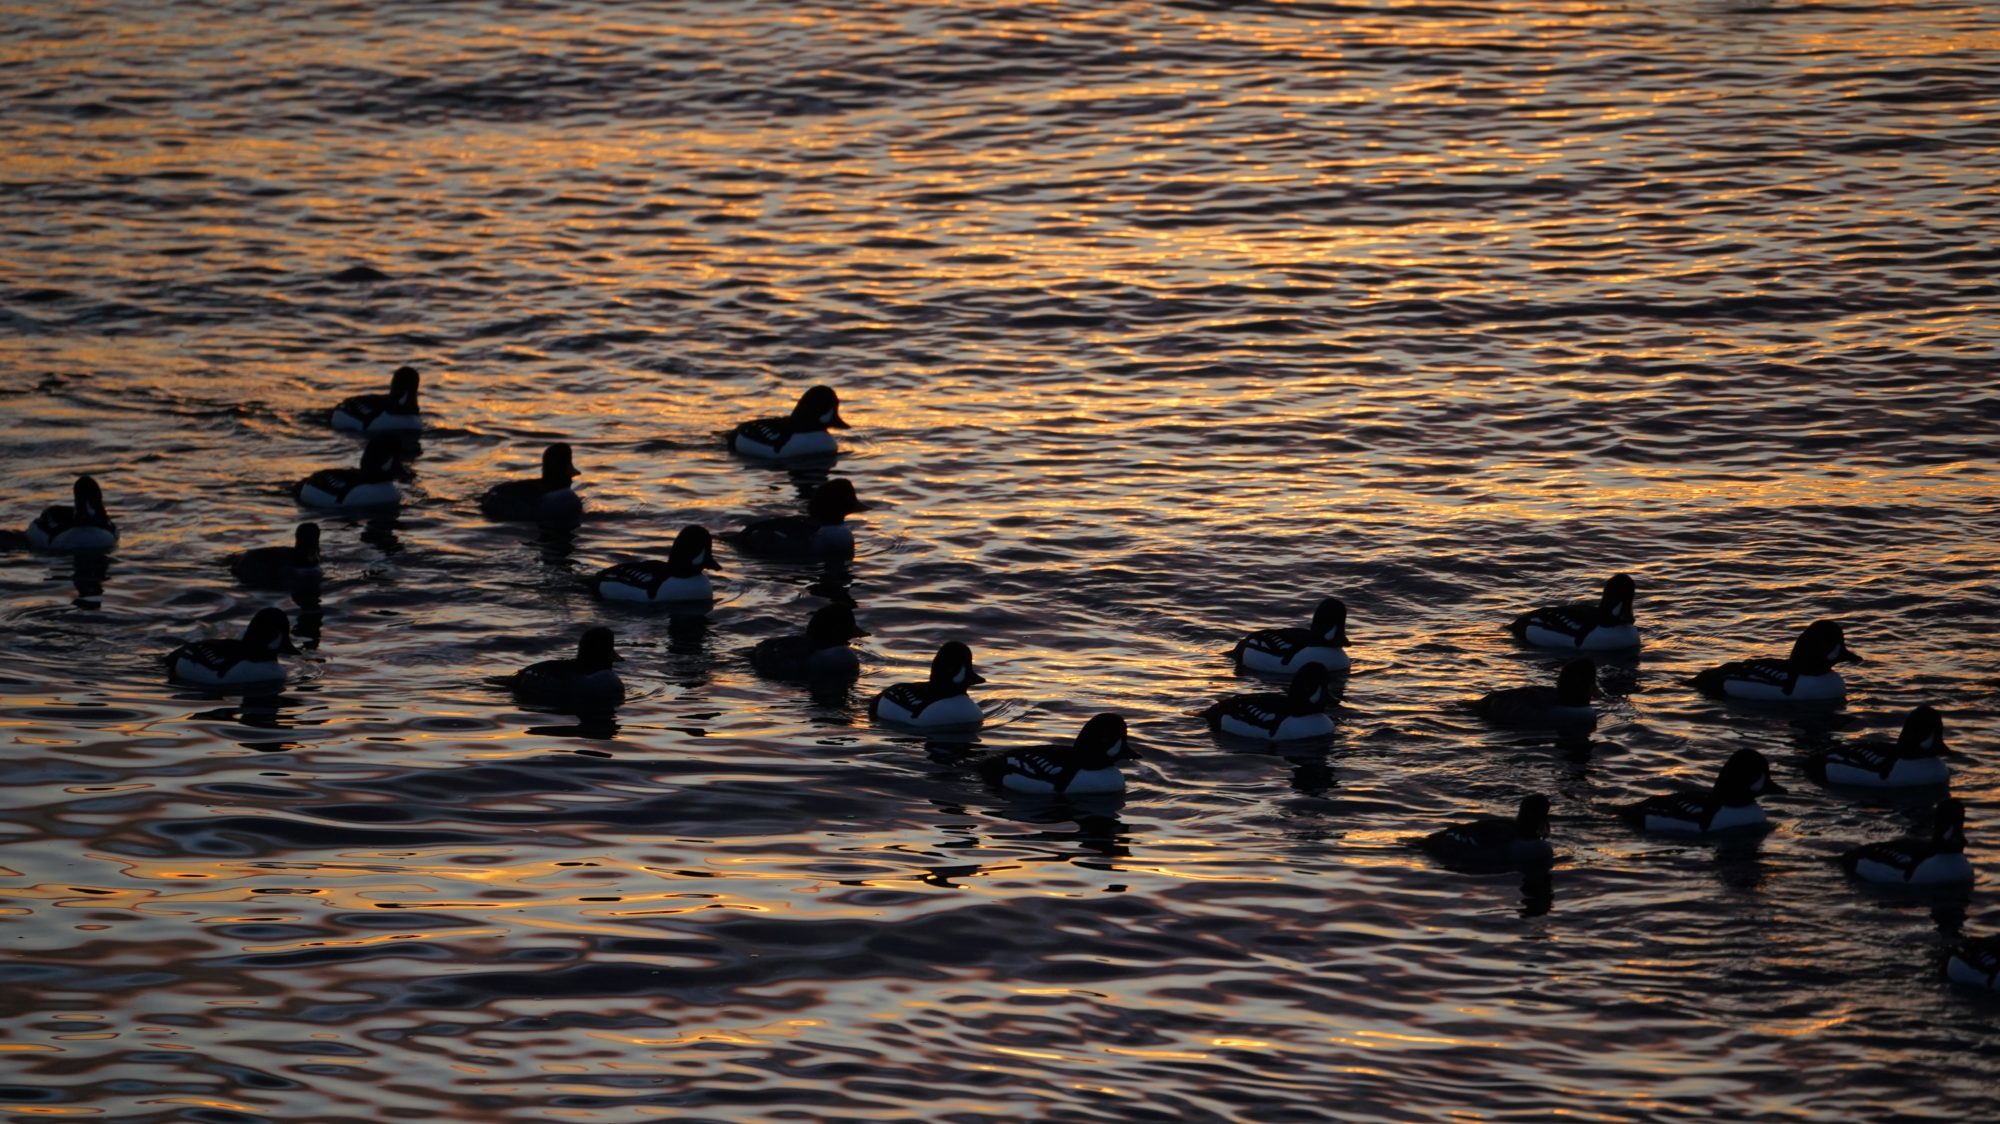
(281, 567)
(801, 434)
(938, 703)
(547, 498)
(681, 579)
(237, 663)
(1565, 704)
(1298, 713)
(1521, 839)
(371, 485)
(82, 524)
(1914, 760)
(1580, 626)
(1806, 675)
(820, 654)
(1730, 806)
(1282, 651)
(394, 412)
(1088, 765)
(1975, 962)
(820, 533)
(1936, 860)
(586, 680)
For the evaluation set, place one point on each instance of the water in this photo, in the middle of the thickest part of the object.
(1156, 324)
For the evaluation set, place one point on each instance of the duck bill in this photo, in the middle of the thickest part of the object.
(1848, 655)
(858, 633)
(973, 678)
(1773, 788)
(837, 422)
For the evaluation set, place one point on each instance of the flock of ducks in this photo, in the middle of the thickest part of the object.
(1309, 655)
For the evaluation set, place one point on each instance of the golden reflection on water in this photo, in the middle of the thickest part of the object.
(824, 218)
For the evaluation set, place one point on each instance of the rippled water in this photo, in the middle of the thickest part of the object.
(1156, 324)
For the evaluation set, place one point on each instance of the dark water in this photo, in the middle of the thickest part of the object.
(1156, 323)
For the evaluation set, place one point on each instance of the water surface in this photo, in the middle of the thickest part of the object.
(1156, 323)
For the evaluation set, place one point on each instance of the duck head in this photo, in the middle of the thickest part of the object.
(694, 549)
(952, 666)
(595, 650)
(270, 631)
(557, 467)
(1102, 741)
(832, 626)
(1576, 683)
(818, 408)
(403, 390)
(1615, 605)
(1330, 622)
(834, 501)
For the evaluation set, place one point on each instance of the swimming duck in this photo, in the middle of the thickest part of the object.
(818, 655)
(1975, 962)
(1730, 806)
(1521, 839)
(584, 681)
(1581, 626)
(371, 485)
(1298, 713)
(82, 524)
(1806, 675)
(281, 567)
(940, 702)
(1565, 704)
(1283, 651)
(1938, 859)
(820, 533)
(1088, 765)
(1914, 759)
(802, 434)
(681, 579)
(236, 663)
(547, 498)
(394, 412)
